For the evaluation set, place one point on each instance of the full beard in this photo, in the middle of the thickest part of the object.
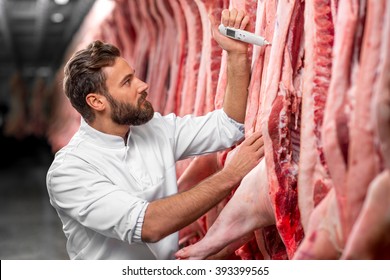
(126, 114)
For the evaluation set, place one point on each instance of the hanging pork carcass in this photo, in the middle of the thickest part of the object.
(274, 109)
(326, 237)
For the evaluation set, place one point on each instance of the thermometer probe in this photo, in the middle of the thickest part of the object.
(243, 35)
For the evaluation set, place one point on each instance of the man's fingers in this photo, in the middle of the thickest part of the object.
(255, 144)
(239, 18)
(225, 17)
(259, 143)
(244, 22)
(260, 152)
(253, 138)
(232, 17)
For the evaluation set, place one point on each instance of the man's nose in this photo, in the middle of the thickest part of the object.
(143, 86)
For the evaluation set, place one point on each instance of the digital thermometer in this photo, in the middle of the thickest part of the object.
(243, 35)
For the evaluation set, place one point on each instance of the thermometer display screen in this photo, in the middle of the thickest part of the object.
(230, 32)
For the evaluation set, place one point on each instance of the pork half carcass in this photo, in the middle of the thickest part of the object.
(280, 120)
(16, 119)
(363, 156)
(314, 180)
(240, 217)
(370, 235)
(323, 237)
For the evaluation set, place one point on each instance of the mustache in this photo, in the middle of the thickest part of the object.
(144, 94)
(142, 99)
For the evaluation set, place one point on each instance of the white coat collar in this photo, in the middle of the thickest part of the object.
(100, 138)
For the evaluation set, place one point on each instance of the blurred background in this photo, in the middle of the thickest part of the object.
(35, 36)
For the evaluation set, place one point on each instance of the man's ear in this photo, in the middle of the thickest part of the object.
(96, 101)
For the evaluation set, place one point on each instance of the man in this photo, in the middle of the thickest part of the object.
(114, 185)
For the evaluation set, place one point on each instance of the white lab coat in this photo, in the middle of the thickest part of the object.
(101, 186)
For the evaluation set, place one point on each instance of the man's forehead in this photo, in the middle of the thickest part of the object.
(118, 70)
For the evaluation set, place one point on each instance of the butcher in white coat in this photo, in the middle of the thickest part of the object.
(114, 185)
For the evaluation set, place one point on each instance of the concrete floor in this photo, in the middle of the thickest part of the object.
(29, 227)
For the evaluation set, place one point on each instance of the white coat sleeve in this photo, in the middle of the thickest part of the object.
(205, 134)
(79, 191)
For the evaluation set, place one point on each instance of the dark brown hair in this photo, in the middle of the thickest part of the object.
(83, 75)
